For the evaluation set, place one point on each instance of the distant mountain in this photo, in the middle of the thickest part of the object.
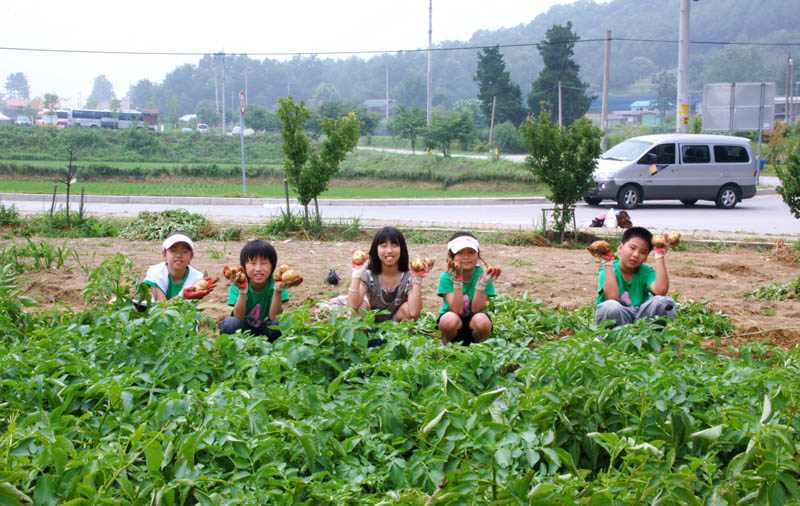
(637, 52)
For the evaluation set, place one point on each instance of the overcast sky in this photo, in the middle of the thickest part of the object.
(286, 26)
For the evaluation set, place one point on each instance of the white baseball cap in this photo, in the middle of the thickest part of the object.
(175, 239)
(461, 242)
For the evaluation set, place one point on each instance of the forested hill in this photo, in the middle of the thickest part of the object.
(633, 62)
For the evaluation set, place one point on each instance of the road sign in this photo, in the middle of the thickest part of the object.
(242, 102)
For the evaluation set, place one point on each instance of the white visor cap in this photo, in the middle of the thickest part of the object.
(462, 242)
(175, 239)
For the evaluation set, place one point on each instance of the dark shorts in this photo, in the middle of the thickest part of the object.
(465, 332)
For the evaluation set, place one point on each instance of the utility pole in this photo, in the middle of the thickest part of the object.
(682, 103)
(606, 74)
(791, 90)
(429, 109)
(560, 122)
(786, 113)
(387, 93)
(223, 93)
(491, 122)
(216, 85)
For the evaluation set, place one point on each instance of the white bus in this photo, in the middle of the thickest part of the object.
(96, 118)
(59, 119)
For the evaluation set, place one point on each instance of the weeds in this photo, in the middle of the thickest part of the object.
(789, 290)
(9, 215)
(150, 226)
(217, 254)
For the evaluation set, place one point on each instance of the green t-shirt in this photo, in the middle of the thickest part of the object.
(631, 293)
(257, 306)
(467, 288)
(173, 288)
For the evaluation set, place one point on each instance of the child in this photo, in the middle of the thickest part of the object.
(168, 278)
(386, 281)
(258, 300)
(465, 293)
(625, 286)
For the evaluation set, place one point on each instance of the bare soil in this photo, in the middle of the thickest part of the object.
(564, 279)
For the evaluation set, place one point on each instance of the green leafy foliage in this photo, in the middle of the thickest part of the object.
(113, 406)
(9, 215)
(445, 130)
(789, 174)
(789, 290)
(495, 87)
(153, 226)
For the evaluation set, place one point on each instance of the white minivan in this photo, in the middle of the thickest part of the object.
(685, 167)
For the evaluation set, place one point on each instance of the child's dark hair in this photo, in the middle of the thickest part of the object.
(640, 232)
(450, 254)
(394, 236)
(259, 249)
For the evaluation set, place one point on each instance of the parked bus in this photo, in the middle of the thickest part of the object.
(96, 118)
(59, 119)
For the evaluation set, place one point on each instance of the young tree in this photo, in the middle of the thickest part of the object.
(556, 51)
(102, 91)
(444, 130)
(494, 81)
(789, 175)
(309, 170)
(408, 123)
(563, 159)
(666, 88)
(50, 101)
(17, 85)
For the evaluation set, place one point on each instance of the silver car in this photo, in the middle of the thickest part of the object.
(685, 167)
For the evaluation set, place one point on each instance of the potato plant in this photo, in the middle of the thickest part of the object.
(111, 406)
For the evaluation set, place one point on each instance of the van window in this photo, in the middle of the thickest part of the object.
(665, 154)
(695, 154)
(731, 154)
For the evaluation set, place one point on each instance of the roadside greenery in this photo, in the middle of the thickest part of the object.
(112, 406)
(789, 290)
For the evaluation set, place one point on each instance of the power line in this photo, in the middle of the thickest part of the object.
(436, 49)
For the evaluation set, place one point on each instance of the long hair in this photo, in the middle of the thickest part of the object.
(394, 236)
(259, 249)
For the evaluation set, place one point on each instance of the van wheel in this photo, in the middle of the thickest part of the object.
(688, 202)
(727, 197)
(592, 201)
(629, 196)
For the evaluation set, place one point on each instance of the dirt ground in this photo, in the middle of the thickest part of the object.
(563, 279)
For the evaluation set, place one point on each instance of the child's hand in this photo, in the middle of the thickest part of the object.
(601, 250)
(491, 274)
(360, 262)
(421, 266)
(240, 281)
(191, 292)
(455, 270)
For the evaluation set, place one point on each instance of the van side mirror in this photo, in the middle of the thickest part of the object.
(648, 159)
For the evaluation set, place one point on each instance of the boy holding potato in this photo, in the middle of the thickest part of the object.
(628, 289)
(258, 291)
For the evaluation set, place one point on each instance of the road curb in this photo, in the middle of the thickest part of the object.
(268, 202)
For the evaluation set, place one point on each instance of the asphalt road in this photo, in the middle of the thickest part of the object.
(760, 215)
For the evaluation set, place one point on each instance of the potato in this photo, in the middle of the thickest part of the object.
(290, 275)
(240, 277)
(599, 248)
(429, 261)
(673, 238)
(279, 272)
(458, 268)
(360, 256)
(200, 285)
(659, 241)
(232, 272)
(418, 265)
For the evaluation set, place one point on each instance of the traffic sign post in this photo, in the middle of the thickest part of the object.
(242, 107)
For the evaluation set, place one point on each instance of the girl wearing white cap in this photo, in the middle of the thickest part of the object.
(465, 289)
(174, 277)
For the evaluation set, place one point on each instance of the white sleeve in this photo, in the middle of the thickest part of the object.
(158, 275)
(192, 276)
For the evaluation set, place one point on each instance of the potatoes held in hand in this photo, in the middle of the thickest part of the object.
(429, 262)
(239, 278)
(659, 241)
(418, 265)
(232, 272)
(200, 285)
(457, 267)
(673, 238)
(281, 270)
(493, 271)
(599, 248)
(360, 256)
(290, 275)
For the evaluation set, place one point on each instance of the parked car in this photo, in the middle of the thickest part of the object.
(23, 121)
(202, 127)
(685, 167)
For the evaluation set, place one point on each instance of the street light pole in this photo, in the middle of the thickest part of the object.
(682, 112)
